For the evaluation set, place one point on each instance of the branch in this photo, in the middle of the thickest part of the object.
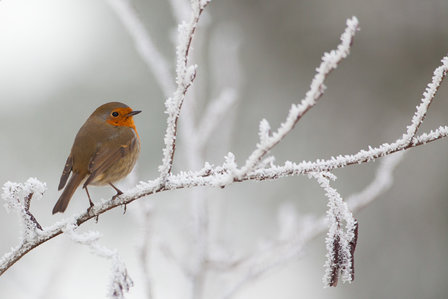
(185, 75)
(341, 161)
(18, 198)
(342, 234)
(120, 282)
(428, 96)
(329, 62)
(208, 176)
(291, 245)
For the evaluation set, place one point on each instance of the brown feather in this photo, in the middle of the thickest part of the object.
(101, 162)
(66, 172)
(64, 199)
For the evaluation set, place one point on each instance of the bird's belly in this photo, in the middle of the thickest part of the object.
(118, 170)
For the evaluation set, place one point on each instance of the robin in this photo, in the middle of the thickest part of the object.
(104, 151)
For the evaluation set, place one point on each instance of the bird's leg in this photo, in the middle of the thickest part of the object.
(119, 192)
(90, 202)
(88, 196)
(116, 189)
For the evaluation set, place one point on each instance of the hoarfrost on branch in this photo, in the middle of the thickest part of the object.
(293, 234)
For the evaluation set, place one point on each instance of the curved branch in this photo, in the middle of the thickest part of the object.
(330, 61)
(215, 177)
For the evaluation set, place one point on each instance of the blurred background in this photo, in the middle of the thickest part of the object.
(59, 60)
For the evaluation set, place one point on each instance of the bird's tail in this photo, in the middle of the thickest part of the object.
(73, 183)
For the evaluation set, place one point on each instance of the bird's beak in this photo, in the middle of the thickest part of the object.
(132, 113)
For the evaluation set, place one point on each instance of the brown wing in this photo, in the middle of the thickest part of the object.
(66, 172)
(105, 158)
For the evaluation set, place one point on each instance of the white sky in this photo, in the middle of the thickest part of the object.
(43, 42)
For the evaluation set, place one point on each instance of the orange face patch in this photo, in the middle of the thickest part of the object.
(120, 117)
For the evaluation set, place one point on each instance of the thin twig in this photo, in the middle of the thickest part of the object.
(185, 76)
(329, 62)
(27, 205)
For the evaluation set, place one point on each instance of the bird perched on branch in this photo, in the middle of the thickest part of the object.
(104, 151)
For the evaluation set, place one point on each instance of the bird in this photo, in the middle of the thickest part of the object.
(104, 151)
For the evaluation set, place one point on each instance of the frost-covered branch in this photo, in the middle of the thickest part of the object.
(120, 280)
(185, 75)
(296, 231)
(18, 198)
(329, 62)
(208, 176)
(342, 234)
(341, 161)
(428, 97)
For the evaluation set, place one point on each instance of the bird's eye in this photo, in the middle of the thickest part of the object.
(115, 114)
